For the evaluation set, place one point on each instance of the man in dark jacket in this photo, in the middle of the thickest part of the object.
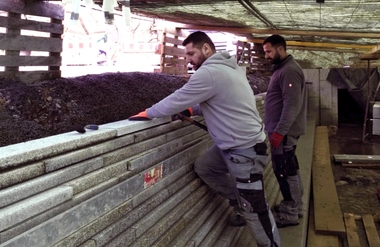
(285, 121)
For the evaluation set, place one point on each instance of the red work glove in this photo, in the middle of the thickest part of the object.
(187, 113)
(139, 117)
(275, 140)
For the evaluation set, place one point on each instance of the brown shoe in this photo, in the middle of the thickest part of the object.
(281, 222)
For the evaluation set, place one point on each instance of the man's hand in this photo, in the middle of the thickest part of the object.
(187, 113)
(275, 140)
(139, 117)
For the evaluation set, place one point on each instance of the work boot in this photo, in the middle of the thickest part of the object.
(281, 222)
(276, 208)
(237, 219)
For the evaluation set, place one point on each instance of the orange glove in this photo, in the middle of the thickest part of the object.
(187, 113)
(275, 140)
(142, 116)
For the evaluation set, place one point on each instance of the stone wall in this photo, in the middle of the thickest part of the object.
(126, 184)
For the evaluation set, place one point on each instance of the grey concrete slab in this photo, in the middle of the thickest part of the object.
(18, 212)
(89, 230)
(158, 130)
(124, 239)
(96, 177)
(196, 222)
(204, 229)
(21, 174)
(78, 155)
(217, 229)
(124, 127)
(152, 217)
(177, 229)
(57, 228)
(226, 237)
(94, 190)
(133, 149)
(34, 150)
(179, 133)
(139, 211)
(34, 221)
(42, 183)
(153, 233)
(325, 117)
(150, 157)
(89, 243)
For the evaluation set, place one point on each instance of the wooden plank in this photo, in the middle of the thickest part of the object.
(40, 8)
(360, 165)
(9, 22)
(174, 70)
(9, 60)
(352, 231)
(327, 211)
(174, 41)
(371, 231)
(30, 43)
(174, 51)
(373, 56)
(356, 158)
(319, 240)
(174, 61)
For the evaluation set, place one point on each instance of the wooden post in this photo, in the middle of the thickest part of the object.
(13, 32)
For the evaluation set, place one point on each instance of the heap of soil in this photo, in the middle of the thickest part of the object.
(48, 108)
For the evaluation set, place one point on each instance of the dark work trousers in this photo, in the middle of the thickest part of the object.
(224, 172)
(291, 187)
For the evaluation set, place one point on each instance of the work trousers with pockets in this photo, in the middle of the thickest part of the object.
(291, 184)
(237, 175)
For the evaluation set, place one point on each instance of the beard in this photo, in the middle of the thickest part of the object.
(202, 58)
(276, 59)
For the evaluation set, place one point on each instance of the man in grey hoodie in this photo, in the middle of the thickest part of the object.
(285, 121)
(234, 165)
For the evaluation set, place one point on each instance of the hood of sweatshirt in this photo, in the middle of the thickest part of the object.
(223, 58)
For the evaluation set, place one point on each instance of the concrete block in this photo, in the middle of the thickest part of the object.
(215, 232)
(150, 236)
(124, 127)
(152, 156)
(96, 226)
(376, 110)
(32, 206)
(198, 134)
(42, 183)
(34, 221)
(124, 239)
(59, 227)
(312, 77)
(96, 177)
(21, 174)
(155, 215)
(133, 149)
(176, 229)
(34, 150)
(73, 157)
(141, 208)
(89, 243)
(326, 117)
(313, 106)
(164, 183)
(323, 73)
(325, 94)
(181, 132)
(335, 119)
(158, 130)
(213, 218)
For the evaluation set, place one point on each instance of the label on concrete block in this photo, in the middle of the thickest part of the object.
(153, 176)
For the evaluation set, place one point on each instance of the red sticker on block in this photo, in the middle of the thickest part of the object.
(153, 176)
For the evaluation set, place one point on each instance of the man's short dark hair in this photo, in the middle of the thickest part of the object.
(198, 39)
(276, 41)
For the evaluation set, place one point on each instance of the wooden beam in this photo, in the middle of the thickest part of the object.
(285, 32)
(373, 56)
(318, 44)
(327, 49)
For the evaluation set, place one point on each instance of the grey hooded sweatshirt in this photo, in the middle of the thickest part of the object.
(225, 99)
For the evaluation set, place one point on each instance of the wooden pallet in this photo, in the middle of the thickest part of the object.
(368, 221)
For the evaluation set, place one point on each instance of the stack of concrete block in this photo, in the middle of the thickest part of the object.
(376, 118)
(126, 184)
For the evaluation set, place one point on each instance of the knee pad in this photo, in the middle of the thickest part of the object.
(285, 164)
(252, 194)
